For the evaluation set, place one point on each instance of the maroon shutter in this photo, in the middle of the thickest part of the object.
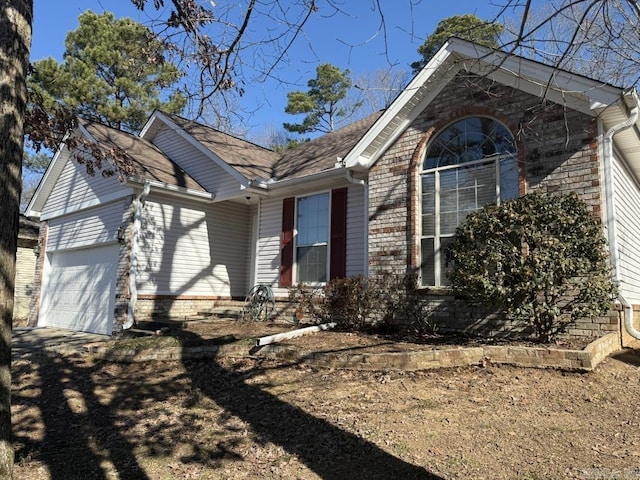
(286, 241)
(338, 248)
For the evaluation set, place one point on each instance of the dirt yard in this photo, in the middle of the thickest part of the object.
(252, 418)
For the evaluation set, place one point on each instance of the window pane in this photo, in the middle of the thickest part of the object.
(449, 223)
(428, 225)
(427, 268)
(428, 204)
(509, 179)
(312, 264)
(313, 219)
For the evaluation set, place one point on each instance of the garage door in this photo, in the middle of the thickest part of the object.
(79, 290)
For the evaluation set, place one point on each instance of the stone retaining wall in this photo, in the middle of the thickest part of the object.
(537, 357)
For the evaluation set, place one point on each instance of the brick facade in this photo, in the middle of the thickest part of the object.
(557, 152)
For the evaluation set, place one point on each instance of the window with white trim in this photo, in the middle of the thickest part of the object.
(312, 238)
(469, 164)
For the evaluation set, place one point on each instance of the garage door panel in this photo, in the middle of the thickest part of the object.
(79, 289)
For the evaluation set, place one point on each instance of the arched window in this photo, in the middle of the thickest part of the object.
(471, 163)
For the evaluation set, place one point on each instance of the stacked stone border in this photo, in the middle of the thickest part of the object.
(537, 357)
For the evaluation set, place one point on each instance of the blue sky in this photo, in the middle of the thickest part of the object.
(348, 40)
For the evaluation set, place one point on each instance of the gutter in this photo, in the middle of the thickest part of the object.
(610, 208)
(289, 182)
(365, 187)
(174, 190)
(133, 264)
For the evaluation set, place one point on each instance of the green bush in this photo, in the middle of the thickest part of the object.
(541, 258)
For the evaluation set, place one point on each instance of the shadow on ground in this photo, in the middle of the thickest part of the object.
(76, 435)
(628, 356)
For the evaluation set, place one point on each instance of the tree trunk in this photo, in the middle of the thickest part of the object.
(15, 43)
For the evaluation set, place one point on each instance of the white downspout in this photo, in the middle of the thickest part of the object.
(133, 263)
(610, 208)
(365, 187)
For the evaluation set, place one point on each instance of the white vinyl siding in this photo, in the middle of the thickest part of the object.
(627, 204)
(268, 254)
(355, 231)
(75, 187)
(86, 228)
(203, 169)
(193, 249)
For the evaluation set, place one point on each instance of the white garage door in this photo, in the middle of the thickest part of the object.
(79, 290)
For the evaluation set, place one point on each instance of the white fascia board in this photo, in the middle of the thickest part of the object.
(173, 189)
(325, 174)
(355, 158)
(36, 204)
(546, 76)
(201, 148)
(149, 124)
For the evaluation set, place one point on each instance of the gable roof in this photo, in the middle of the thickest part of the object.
(322, 153)
(147, 160)
(566, 88)
(250, 160)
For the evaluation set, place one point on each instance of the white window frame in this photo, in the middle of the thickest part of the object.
(438, 261)
(296, 237)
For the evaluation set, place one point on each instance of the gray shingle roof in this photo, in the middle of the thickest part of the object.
(321, 153)
(149, 163)
(249, 159)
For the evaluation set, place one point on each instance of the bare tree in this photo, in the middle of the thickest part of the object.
(376, 90)
(598, 38)
(209, 40)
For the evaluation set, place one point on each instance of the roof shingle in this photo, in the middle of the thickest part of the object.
(148, 161)
(250, 160)
(322, 153)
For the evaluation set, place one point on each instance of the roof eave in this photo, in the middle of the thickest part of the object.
(172, 189)
(200, 147)
(574, 91)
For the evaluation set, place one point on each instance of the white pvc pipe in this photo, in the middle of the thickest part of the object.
(133, 263)
(278, 337)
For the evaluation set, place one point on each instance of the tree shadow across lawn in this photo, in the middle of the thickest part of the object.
(77, 441)
(75, 434)
(330, 452)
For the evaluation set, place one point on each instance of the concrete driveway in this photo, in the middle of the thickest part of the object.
(40, 339)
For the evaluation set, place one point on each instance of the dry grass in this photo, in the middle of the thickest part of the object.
(250, 418)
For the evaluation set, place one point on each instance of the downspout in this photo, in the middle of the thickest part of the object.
(365, 187)
(133, 264)
(610, 207)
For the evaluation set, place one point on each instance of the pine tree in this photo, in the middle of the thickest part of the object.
(114, 71)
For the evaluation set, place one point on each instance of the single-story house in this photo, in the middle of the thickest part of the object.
(206, 215)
